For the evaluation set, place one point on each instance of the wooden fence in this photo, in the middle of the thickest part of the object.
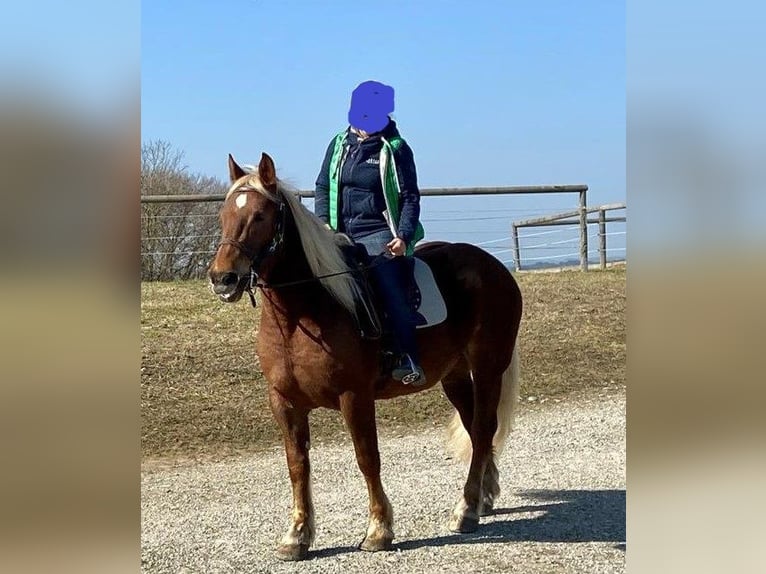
(580, 189)
(565, 218)
(580, 214)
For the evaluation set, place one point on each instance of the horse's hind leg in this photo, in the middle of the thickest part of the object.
(458, 387)
(359, 412)
(486, 396)
(295, 429)
(490, 487)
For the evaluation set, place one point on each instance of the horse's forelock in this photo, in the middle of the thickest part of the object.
(251, 182)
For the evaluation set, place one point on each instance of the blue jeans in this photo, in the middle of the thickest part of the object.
(391, 277)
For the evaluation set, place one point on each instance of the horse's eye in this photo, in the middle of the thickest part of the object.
(258, 217)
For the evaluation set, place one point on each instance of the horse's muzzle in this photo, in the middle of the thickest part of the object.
(228, 286)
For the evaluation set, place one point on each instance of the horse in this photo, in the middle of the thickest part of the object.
(312, 354)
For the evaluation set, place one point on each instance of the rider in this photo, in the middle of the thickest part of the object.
(367, 188)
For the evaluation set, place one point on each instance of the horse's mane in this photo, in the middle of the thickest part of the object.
(322, 253)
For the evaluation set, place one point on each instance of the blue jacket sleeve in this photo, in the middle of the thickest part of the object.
(322, 187)
(409, 202)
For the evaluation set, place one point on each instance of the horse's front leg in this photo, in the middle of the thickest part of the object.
(359, 412)
(295, 429)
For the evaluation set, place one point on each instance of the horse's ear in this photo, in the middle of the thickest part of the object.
(266, 171)
(235, 172)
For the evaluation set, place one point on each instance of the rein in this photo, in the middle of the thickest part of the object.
(255, 283)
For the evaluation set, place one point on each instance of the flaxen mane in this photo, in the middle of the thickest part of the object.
(322, 253)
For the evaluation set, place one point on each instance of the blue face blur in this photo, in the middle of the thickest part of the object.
(371, 102)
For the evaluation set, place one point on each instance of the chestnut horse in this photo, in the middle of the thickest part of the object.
(312, 354)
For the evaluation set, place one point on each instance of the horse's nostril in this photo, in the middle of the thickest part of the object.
(229, 279)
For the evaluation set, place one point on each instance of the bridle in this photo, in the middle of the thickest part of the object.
(257, 259)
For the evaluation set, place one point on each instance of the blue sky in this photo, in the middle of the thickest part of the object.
(487, 93)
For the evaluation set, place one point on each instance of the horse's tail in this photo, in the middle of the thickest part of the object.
(458, 439)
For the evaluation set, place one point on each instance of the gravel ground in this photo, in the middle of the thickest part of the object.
(562, 508)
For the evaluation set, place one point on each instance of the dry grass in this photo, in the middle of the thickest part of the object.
(202, 393)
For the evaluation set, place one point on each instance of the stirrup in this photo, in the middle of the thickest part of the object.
(412, 376)
(412, 379)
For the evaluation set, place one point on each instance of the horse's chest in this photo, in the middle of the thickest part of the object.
(310, 364)
(301, 372)
(297, 354)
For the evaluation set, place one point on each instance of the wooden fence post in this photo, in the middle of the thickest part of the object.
(583, 232)
(516, 250)
(602, 238)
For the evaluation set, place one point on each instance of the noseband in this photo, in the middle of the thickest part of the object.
(257, 259)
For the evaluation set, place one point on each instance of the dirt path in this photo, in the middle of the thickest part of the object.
(562, 508)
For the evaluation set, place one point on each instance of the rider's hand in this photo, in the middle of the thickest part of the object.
(397, 246)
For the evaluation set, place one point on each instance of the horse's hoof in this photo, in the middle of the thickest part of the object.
(292, 552)
(487, 507)
(370, 544)
(463, 524)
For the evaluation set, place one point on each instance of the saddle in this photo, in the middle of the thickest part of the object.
(423, 294)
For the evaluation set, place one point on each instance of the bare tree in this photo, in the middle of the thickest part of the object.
(177, 239)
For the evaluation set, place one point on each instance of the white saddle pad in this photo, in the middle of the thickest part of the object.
(432, 307)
